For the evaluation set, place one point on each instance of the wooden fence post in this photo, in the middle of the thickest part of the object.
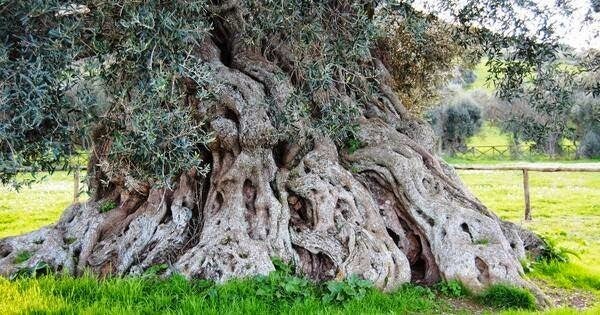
(525, 170)
(526, 193)
(76, 185)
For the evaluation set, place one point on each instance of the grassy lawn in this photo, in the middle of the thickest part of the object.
(176, 295)
(488, 135)
(481, 82)
(33, 207)
(566, 208)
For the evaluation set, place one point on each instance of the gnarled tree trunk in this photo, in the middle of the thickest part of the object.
(389, 211)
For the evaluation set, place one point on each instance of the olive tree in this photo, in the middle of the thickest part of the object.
(222, 134)
(454, 122)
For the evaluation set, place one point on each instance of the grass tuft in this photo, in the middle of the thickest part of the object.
(553, 253)
(482, 241)
(277, 293)
(507, 297)
(22, 257)
(107, 206)
(452, 288)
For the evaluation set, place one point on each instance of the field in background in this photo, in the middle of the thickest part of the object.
(490, 135)
(565, 207)
(34, 207)
(482, 74)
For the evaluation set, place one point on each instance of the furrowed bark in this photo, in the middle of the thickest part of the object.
(391, 212)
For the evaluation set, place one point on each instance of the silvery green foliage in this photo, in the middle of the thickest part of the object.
(557, 104)
(120, 74)
(586, 116)
(454, 122)
(100, 71)
(329, 57)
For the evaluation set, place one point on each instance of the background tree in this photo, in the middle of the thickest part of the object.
(586, 115)
(586, 112)
(233, 132)
(455, 122)
(559, 106)
(550, 98)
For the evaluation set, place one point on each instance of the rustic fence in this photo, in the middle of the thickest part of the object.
(508, 152)
(526, 169)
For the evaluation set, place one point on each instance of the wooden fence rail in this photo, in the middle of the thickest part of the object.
(507, 152)
(523, 168)
(533, 168)
(526, 169)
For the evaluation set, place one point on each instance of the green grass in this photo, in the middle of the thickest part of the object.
(176, 295)
(488, 135)
(33, 207)
(566, 208)
(452, 288)
(569, 276)
(481, 71)
(505, 296)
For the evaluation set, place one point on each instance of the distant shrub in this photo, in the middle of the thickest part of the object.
(468, 76)
(455, 122)
(461, 78)
(508, 296)
(586, 117)
(590, 145)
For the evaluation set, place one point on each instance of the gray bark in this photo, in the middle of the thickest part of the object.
(390, 212)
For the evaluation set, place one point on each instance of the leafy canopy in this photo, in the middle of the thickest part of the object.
(121, 79)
